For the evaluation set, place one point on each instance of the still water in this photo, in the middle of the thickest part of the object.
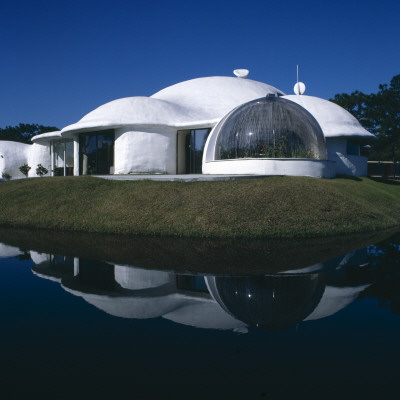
(328, 318)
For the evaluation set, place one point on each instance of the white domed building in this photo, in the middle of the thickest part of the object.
(213, 125)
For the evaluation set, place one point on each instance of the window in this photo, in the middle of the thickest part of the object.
(270, 127)
(96, 153)
(353, 149)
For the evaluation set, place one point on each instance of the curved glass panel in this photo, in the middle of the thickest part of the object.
(271, 302)
(270, 127)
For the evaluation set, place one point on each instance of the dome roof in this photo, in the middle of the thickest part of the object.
(46, 137)
(334, 120)
(195, 103)
(270, 127)
(135, 111)
(215, 96)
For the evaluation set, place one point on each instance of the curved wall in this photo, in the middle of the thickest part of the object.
(291, 167)
(39, 154)
(145, 150)
(12, 156)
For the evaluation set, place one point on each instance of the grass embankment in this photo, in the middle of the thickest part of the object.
(273, 207)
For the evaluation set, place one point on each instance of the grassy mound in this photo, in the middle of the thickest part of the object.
(273, 207)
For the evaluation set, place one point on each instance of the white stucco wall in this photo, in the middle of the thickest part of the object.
(335, 145)
(145, 150)
(12, 156)
(39, 258)
(39, 154)
(291, 167)
(345, 164)
(351, 165)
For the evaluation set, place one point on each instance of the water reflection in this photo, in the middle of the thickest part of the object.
(271, 301)
(71, 318)
(268, 301)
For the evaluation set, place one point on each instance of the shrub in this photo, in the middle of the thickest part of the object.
(25, 169)
(40, 170)
(6, 176)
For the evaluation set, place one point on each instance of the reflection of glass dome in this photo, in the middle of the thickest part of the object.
(269, 127)
(270, 302)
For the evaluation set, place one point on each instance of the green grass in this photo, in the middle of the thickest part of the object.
(273, 207)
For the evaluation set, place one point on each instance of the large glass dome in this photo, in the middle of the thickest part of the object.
(269, 127)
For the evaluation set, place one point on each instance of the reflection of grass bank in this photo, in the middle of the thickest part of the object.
(255, 208)
(213, 256)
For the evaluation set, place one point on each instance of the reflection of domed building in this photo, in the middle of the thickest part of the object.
(345, 282)
(242, 127)
(9, 251)
(270, 302)
(129, 292)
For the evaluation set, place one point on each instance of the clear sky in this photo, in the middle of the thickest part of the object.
(61, 59)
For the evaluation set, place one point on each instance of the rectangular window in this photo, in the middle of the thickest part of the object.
(353, 149)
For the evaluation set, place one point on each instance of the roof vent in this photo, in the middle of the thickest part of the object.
(241, 73)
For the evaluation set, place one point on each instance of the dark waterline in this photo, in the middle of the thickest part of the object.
(72, 323)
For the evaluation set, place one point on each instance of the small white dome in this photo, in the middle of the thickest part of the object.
(334, 120)
(135, 111)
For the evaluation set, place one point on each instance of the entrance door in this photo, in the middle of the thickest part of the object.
(190, 150)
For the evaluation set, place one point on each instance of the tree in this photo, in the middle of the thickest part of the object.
(385, 115)
(356, 103)
(40, 170)
(25, 169)
(24, 132)
(6, 176)
(379, 113)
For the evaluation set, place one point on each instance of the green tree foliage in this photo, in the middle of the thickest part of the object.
(6, 176)
(24, 132)
(25, 169)
(379, 113)
(40, 170)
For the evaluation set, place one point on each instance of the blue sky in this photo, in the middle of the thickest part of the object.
(60, 60)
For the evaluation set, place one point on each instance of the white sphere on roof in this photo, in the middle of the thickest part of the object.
(299, 88)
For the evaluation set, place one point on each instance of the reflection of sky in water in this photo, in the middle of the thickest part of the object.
(84, 315)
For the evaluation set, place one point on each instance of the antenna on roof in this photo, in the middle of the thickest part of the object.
(241, 73)
(299, 87)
